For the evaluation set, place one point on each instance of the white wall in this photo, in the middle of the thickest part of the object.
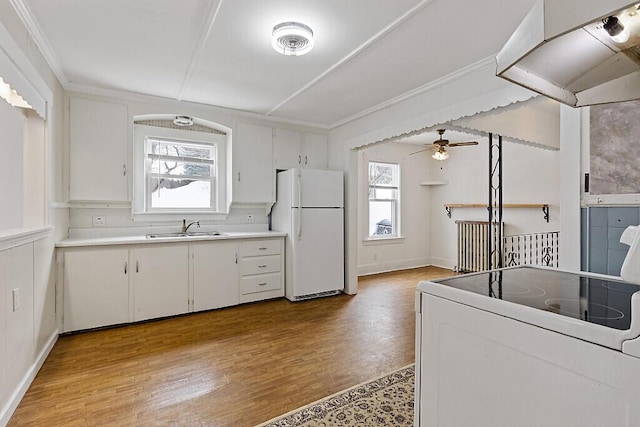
(530, 175)
(12, 123)
(412, 250)
(28, 332)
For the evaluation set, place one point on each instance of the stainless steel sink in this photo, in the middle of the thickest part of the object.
(187, 234)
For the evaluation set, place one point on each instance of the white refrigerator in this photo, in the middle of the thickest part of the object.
(309, 208)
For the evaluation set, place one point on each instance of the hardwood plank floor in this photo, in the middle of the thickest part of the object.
(237, 366)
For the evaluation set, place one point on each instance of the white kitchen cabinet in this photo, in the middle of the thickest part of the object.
(160, 280)
(215, 274)
(98, 150)
(296, 149)
(253, 169)
(96, 288)
(314, 149)
(261, 267)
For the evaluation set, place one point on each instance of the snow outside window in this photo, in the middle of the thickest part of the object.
(384, 191)
(180, 175)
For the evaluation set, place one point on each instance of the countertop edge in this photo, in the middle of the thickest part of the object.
(141, 239)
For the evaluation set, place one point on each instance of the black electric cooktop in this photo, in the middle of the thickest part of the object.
(594, 300)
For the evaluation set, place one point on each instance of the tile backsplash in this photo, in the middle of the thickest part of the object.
(602, 227)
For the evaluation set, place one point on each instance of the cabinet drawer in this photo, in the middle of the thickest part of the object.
(260, 247)
(260, 283)
(261, 265)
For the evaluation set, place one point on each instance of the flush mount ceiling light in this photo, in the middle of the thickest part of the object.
(616, 30)
(183, 121)
(292, 38)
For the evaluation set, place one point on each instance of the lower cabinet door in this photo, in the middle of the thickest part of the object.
(161, 281)
(215, 275)
(96, 288)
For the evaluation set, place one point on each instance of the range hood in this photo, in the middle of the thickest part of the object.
(564, 50)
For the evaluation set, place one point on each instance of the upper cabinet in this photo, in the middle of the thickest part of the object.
(253, 170)
(98, 150)
(296, 149)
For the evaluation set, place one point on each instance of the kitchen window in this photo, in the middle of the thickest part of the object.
(178, 172)
(384, 203)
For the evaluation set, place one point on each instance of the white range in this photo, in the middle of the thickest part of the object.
(528, 347)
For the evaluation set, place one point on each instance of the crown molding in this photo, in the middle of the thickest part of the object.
(124, 95)
(36, 33)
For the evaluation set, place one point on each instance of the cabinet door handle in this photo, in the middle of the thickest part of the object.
(305, 160)
(124, 170)
(236, 258)
(299, 159)
(238, 176)
(125, 267)
(262, 249)
(262, 266)
(137, 267)
(262, 284)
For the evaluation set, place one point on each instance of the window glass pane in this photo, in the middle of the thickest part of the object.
(180, 193)
(383, 193)
(381, 218)
(382, 174)
(180, 149)
(180, 168)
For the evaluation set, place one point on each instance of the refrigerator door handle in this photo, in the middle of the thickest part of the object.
(299, 231)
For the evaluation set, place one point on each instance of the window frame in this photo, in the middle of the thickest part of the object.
(396, 202)
(141, 205)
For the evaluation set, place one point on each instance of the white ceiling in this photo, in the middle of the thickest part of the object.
(218, 52)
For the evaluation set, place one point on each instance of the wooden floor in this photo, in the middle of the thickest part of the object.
(237, 366)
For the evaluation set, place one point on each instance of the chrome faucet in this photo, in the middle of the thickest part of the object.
(185, 227)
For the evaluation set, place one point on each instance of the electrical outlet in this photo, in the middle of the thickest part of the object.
(250, 218)
(99, 220)
(16, 299)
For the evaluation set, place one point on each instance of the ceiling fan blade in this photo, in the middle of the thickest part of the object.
(460, 144)
(425, 149)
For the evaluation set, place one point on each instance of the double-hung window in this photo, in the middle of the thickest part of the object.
(179, 171)
(384, 197)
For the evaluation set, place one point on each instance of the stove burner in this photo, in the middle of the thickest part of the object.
(573, 308)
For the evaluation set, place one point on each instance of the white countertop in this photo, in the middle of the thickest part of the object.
(142, 239)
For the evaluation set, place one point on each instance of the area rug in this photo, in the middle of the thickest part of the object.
(385, 401)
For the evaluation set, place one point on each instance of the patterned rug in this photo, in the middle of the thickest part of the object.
(386, 401)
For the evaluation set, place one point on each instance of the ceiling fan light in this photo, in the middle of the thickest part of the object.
(292, 38)
(441, 154)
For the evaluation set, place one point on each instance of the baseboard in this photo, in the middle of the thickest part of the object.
(442, 263)
(368, 269)
(18, 394)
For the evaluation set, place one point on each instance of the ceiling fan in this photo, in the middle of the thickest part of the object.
(440, 153)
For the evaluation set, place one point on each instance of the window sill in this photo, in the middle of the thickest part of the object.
(383, 240)
(177, 216)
